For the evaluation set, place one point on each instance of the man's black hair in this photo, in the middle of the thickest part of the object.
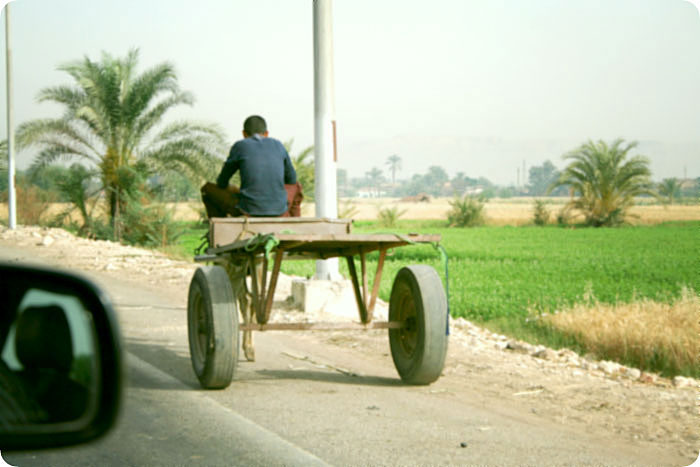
(254, 125)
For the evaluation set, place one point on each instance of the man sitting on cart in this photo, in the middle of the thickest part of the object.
(269, 186)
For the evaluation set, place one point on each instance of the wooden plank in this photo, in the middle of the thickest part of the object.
(355, 238)
(330, 246)
(224, 231)
(356, 287)
(264, 317)
(377, 280)
(206, 258)
(273, 284)
(279, 220)
(321, 326)
(365, 294)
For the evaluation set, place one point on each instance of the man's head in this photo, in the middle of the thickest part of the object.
(254, 125)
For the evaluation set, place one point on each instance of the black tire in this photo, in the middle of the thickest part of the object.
(418, 350)
(212, 327)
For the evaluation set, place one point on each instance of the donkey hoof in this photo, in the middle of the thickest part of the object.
(249, 353)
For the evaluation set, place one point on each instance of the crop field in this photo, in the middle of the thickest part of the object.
(508, 271)
(504, 271)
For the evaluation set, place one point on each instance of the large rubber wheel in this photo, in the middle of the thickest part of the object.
(419, 348)
(212, 327)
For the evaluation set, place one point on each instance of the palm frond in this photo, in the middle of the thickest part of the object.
(55, 131)
(152, 117)
(145, 88)
(54, 153)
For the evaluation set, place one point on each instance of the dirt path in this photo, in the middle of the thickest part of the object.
(597, 398)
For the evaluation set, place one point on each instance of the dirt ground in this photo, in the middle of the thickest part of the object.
(603, 398)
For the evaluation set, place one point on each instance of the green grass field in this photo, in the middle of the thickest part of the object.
(515, 271)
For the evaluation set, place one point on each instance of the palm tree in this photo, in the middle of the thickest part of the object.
(670, 189)
(394, 163)
(603, 183)
(111, 117)
(374, 178)
(305, 169)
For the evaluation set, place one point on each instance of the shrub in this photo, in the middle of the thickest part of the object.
(388, 217)
(541, 214)
(73, 185)
(148, 224)
(32, 203)
(564, 216)
(466, 212)
(347, 210)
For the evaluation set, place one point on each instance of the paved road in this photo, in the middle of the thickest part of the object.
(285, 411)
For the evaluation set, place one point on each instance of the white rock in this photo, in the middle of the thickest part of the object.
(683, 382)
(546, 354)
(632, 373)
(47, 241)
(110, 267)
(519, 346)
(608, 367)
(498, 345)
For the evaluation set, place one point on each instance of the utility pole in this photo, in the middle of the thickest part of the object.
(11, 199)
(325, 149)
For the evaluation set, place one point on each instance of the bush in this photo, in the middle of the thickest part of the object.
(144, 222)
(564, 216)
(466, 212)
(32, 203)
(347, 210)
(541, 214)
(388, 217)
(72, 185)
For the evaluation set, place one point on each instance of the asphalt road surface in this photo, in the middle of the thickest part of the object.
(292, 407)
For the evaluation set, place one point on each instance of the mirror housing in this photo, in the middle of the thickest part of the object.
(60, 359)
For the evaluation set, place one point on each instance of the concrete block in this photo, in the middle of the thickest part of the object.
(317, 296)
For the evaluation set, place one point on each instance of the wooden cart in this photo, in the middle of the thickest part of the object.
(240, 280)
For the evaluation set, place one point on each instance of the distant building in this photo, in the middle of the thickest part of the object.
(473, 191)
(370, 193)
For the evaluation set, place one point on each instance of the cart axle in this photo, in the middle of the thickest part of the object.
(321, 326)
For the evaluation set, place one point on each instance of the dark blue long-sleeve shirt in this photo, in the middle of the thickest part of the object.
(265, 168)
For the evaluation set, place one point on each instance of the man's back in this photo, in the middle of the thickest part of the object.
(265, 168)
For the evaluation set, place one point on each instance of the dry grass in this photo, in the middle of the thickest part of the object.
(651, 335)
(513, 211)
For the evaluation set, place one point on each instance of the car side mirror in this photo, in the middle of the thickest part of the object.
(60, 359)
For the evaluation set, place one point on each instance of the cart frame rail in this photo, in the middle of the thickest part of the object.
(313, 246)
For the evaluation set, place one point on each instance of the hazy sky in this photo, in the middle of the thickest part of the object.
(475, 86)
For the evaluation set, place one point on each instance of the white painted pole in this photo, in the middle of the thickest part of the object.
(11, 200)
(324, 128)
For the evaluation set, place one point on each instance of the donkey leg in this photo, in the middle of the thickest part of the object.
(237, 274)
(247, 309)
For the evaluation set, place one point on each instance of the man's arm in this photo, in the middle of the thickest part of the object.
(290, 175)
(230, 167)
